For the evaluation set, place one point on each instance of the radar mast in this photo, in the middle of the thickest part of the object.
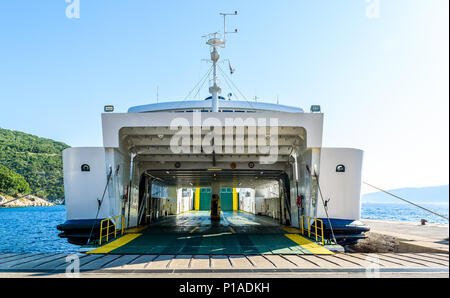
(216, 41)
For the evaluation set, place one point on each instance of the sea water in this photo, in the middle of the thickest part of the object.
(33, 229)
(404, 212)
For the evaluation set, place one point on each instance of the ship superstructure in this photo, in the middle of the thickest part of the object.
(165, 159)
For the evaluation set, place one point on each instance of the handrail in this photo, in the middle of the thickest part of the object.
(115, 220)
(318, 232)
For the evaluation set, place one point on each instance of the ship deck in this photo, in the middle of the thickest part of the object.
(194, 233)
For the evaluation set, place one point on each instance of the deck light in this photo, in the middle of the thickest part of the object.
(109, 109)
(315, 109)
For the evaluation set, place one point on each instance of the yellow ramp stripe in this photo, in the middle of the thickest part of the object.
(115, 244)
(309, 245)
(291, 230)
(193, 230)
(135, 230)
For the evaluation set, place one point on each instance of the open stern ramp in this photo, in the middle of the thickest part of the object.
(193, 233)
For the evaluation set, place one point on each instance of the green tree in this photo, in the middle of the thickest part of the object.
(12, 183)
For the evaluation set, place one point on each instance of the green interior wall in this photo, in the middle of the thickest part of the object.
(226, 199)
(205, 199)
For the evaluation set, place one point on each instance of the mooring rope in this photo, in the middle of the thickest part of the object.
(409, 202)
(21, 197)
(325, 207)
(31, 193)
(100, 204)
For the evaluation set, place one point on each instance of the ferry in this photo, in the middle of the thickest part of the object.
(214, 156)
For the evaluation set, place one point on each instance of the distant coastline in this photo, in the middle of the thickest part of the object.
(433, 195)
(403, 203)
(29, 201)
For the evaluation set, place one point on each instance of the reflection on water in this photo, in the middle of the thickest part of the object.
(33, 230)
(404, 212)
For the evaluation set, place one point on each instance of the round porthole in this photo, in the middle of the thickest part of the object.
(85, 168)
(340, 169)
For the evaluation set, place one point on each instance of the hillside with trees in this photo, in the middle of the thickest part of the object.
(12, 183)
(28, 162)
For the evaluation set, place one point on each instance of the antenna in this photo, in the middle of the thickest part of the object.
(215, 42)
(225, 25)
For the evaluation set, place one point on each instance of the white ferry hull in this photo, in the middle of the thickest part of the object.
(137, 153)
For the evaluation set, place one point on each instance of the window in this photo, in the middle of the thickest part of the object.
(340, 169)
(186, 193)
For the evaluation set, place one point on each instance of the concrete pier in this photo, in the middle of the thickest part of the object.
(404, 237)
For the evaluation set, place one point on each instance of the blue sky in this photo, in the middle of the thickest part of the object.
(382, 82)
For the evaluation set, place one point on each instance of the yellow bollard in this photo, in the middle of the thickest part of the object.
(303, 232)
(101, 230)
(309, 227)
(107, 232)
(123, 222)
(115, 227)
(315, 222)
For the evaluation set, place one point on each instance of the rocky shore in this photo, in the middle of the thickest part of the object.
(30, 201)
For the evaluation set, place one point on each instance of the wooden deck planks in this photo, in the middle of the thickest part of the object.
(255, 263)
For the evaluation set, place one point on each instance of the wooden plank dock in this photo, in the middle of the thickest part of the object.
(340, 264)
